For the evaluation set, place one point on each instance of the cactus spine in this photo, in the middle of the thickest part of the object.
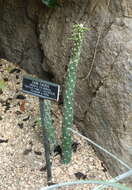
(77, 37)
(48, 125)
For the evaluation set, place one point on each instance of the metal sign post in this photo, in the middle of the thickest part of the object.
(43, 90)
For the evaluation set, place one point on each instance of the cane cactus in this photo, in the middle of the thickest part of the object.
(67, 122)
(48, 125)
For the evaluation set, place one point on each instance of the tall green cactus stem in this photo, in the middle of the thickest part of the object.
(48, 125)
(77, 37)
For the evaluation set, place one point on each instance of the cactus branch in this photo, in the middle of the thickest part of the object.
(77, 37)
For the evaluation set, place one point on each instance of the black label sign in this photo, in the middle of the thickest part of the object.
(40, 88)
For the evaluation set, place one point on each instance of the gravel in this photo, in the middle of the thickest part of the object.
(22, 162)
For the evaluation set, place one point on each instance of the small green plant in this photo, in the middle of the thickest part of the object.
(2, 84)
(38, 121)
(50, 3)
(77, 37)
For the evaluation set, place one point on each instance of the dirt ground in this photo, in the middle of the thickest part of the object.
(21, 149)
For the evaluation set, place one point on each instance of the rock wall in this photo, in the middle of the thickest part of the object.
(36, 38)
(19, 34)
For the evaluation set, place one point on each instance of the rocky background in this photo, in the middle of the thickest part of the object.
(36, 38)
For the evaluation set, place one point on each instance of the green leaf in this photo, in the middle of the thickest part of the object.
(38, 121)
(50, 3)
(2, 84)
